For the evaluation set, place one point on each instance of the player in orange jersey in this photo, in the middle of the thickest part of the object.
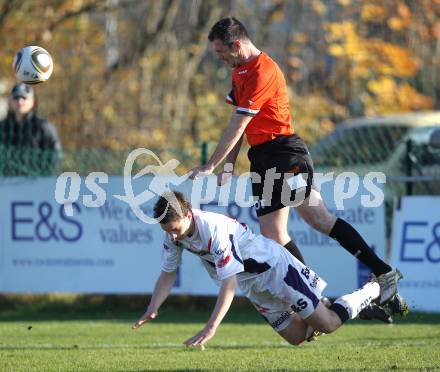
(262, 113)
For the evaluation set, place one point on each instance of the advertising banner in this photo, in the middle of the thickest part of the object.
(415, 250)
(86, 235)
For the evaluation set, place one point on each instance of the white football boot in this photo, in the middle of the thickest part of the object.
(388, 285)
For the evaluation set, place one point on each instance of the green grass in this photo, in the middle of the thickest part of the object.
(82, 341)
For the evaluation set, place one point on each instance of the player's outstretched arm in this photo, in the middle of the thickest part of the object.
(160, 293)
(228, 171)
(229, 139)
(224, 300)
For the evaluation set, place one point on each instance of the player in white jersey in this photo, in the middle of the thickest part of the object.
(282, 289)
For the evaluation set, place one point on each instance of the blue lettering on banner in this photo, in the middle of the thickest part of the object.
(15, 221)
(71, 221)
(122, 234)
(312, 237)
(233, 210)
(434, 245)
(42, 228)
(406, 241)
(431, 250)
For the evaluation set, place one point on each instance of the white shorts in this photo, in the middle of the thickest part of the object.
(287, 287)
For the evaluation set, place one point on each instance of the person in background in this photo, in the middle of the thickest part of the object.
(29, 143)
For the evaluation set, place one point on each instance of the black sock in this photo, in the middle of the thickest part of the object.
(294, 251)
(340, 311)
(351, 240)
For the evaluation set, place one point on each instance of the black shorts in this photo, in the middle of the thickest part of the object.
(282, 173)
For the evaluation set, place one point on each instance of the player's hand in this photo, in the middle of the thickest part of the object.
(201, 170)
(148, 315)
(202, 337)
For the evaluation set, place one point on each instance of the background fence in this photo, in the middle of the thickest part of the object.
(131, 73)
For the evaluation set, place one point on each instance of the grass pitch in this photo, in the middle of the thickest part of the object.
(61, 341)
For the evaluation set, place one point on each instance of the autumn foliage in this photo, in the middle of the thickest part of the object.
(131, 73)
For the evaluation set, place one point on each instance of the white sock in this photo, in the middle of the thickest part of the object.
(356, 301)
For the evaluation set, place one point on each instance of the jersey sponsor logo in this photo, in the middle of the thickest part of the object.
(223, 262)
(314, 282)
(301, 304)
(284, 316)
(242, 72)
(306, 272)
(293, 279)
(219, 251)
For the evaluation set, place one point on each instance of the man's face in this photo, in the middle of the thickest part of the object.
(178, 229)
(22, 105)
(227, 54)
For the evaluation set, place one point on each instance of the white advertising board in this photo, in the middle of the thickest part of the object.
(415, 250)
(107, 249)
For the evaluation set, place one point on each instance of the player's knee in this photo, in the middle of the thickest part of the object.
(326, 321)
(295, 341)
(328, 328)
(329, 325)
(323, 224)
(278, 236)
(274, 235)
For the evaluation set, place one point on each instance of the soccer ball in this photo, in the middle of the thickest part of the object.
(33, 65)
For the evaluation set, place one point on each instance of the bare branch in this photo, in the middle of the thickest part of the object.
(147, 37)
(7, 8)
(97, 5)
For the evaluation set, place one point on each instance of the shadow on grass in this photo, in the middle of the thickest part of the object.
(128, 308)
(177, 347)
(118, 308)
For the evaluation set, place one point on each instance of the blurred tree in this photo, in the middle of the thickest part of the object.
(135, 73)
(376, 59)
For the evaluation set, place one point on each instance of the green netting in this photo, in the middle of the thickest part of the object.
(358, 146)
(16, 161)
(112, 162)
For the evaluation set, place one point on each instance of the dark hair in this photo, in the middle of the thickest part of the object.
(171, 206)
(228, 30)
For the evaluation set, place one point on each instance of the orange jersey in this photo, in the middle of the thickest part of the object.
(259, 90)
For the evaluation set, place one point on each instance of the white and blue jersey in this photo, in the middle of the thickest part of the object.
(225, 246)
(274, 281)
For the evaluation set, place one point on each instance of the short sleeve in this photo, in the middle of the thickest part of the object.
(171, 257)
(258, 89)
(230, 98)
